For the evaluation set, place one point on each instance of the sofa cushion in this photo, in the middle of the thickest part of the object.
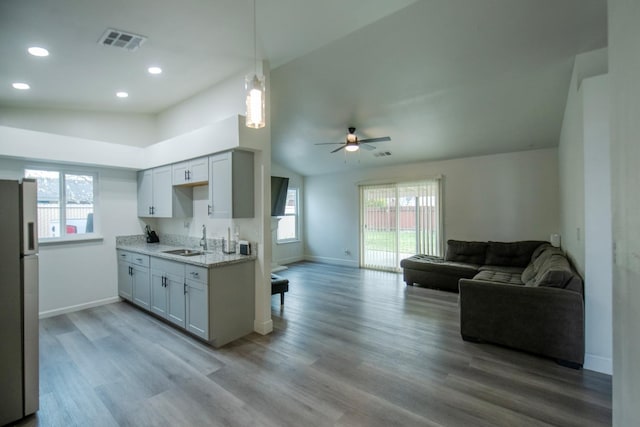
(499, 277)
(502, 268)
(467, 252)
(433, 263)
(555, 272)
(512, 254)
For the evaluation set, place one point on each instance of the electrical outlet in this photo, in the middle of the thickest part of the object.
(347, 251)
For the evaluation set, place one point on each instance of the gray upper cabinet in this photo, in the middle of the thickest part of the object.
(231, 186)
(191, 172)
(158, 198)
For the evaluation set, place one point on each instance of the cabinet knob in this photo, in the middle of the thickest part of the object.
(209, 207)
(185, 288)
(185, 175)
(188, 175)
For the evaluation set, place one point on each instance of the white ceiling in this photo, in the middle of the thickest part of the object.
(443, 78)
(197, 43)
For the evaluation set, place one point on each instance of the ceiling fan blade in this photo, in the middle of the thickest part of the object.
(328, 143)
(338, 149)
(381, 139)
(367, 146)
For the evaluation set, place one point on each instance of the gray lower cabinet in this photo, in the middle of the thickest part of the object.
(215, 304)
(168, 290)
(133, 278)
(197, 298)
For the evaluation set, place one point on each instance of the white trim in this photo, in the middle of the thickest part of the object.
(78, 307)
(335, 261)
(291, 260)
(598, 364)
(263, 328)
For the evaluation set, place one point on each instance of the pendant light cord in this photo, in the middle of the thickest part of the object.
(255, 49)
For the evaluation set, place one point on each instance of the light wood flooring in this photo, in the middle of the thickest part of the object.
(350, 347)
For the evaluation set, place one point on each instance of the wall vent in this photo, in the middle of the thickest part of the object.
(382, 154)
(121, 39)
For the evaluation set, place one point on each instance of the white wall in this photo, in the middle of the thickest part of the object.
(586, 197)
(598, 235)
(83, 274)
(286, 253)
(502, 197)
(624, 69)
(131, 129)
(571, 157)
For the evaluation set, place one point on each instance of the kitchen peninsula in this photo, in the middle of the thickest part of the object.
(206, 293)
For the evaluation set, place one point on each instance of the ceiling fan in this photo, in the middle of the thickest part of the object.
(352, 142)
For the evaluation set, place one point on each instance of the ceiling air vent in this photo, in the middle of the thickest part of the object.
(121, 39)
(382, 154)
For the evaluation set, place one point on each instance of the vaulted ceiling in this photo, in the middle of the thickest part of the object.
(442, 78)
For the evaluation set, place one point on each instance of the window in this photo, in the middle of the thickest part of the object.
(66, 202)
(288, 224)
(399, 220)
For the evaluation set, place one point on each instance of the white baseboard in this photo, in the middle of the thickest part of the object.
(263, 328)
(334, 261)
(78, 307)
(598, 364)
(291, 260)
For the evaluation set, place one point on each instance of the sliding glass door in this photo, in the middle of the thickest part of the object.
(399, 220)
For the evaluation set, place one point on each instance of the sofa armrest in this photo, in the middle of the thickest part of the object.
(547, 321)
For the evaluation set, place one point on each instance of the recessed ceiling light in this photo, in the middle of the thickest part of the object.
(154, 70)
(38, 51)
(122, 94)
(21, 86)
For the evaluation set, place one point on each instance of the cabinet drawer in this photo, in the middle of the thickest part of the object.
(198, 274)
(167, 267)
(124, 256)
(141, 260)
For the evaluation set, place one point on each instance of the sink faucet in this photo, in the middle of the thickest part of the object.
(203, 241)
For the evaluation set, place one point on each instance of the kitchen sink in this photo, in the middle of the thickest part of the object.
(184, 252)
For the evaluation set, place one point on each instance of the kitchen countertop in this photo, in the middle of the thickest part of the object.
(210, 259)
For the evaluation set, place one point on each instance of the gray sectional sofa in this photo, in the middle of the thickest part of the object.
(523, 295)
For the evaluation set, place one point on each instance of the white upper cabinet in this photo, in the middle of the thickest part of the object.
(157, 198)
(231, 186)
(191, 172)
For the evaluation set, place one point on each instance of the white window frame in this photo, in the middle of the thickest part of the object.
(297, 219)
(64, 237)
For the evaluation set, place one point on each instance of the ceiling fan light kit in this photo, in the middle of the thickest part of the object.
(254, 86)
(352, 143)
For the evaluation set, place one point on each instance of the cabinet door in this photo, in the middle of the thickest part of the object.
(124, 279)
(197, 309)
(158, 301)
(179, 172)
(176, 310)
(162, 192)
(220, 186)
(199, 170)
(145, 193)
(141, 287)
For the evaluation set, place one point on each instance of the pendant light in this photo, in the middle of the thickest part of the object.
(255, 88)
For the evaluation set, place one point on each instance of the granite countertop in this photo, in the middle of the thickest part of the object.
(210, 259)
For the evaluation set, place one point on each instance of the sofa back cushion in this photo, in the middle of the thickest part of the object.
(469, 252)
(556, 272)
(511, 254)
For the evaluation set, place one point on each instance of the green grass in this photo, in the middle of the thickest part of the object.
(385, 240)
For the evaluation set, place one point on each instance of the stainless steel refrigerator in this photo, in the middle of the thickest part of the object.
(18, 300)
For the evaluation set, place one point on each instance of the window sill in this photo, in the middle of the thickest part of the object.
(65, 240)
(284, 242)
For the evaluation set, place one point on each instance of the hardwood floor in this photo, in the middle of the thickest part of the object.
(350, 348)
